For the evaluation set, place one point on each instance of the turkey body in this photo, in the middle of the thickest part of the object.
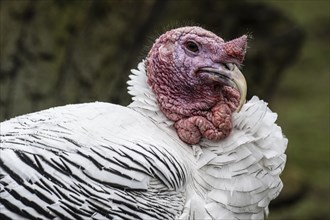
(99, 160)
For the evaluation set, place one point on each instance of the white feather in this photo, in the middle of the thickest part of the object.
(130, 162)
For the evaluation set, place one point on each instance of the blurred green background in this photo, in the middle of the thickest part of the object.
(59, 52)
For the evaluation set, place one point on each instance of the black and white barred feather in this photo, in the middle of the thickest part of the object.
(104, 161)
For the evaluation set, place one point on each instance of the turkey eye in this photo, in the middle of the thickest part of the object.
(193, 47)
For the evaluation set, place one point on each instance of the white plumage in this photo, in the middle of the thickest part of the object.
(99, 160)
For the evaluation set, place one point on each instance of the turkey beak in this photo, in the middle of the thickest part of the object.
(240, 84)
(230, 75)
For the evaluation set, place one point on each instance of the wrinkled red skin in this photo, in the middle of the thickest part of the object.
(198, 106)
(214, 125)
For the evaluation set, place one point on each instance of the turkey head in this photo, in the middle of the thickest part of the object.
(196, 78)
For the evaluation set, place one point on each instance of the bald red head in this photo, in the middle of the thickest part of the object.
(180, 68)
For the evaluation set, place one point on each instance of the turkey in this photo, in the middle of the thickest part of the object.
(187, 147)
